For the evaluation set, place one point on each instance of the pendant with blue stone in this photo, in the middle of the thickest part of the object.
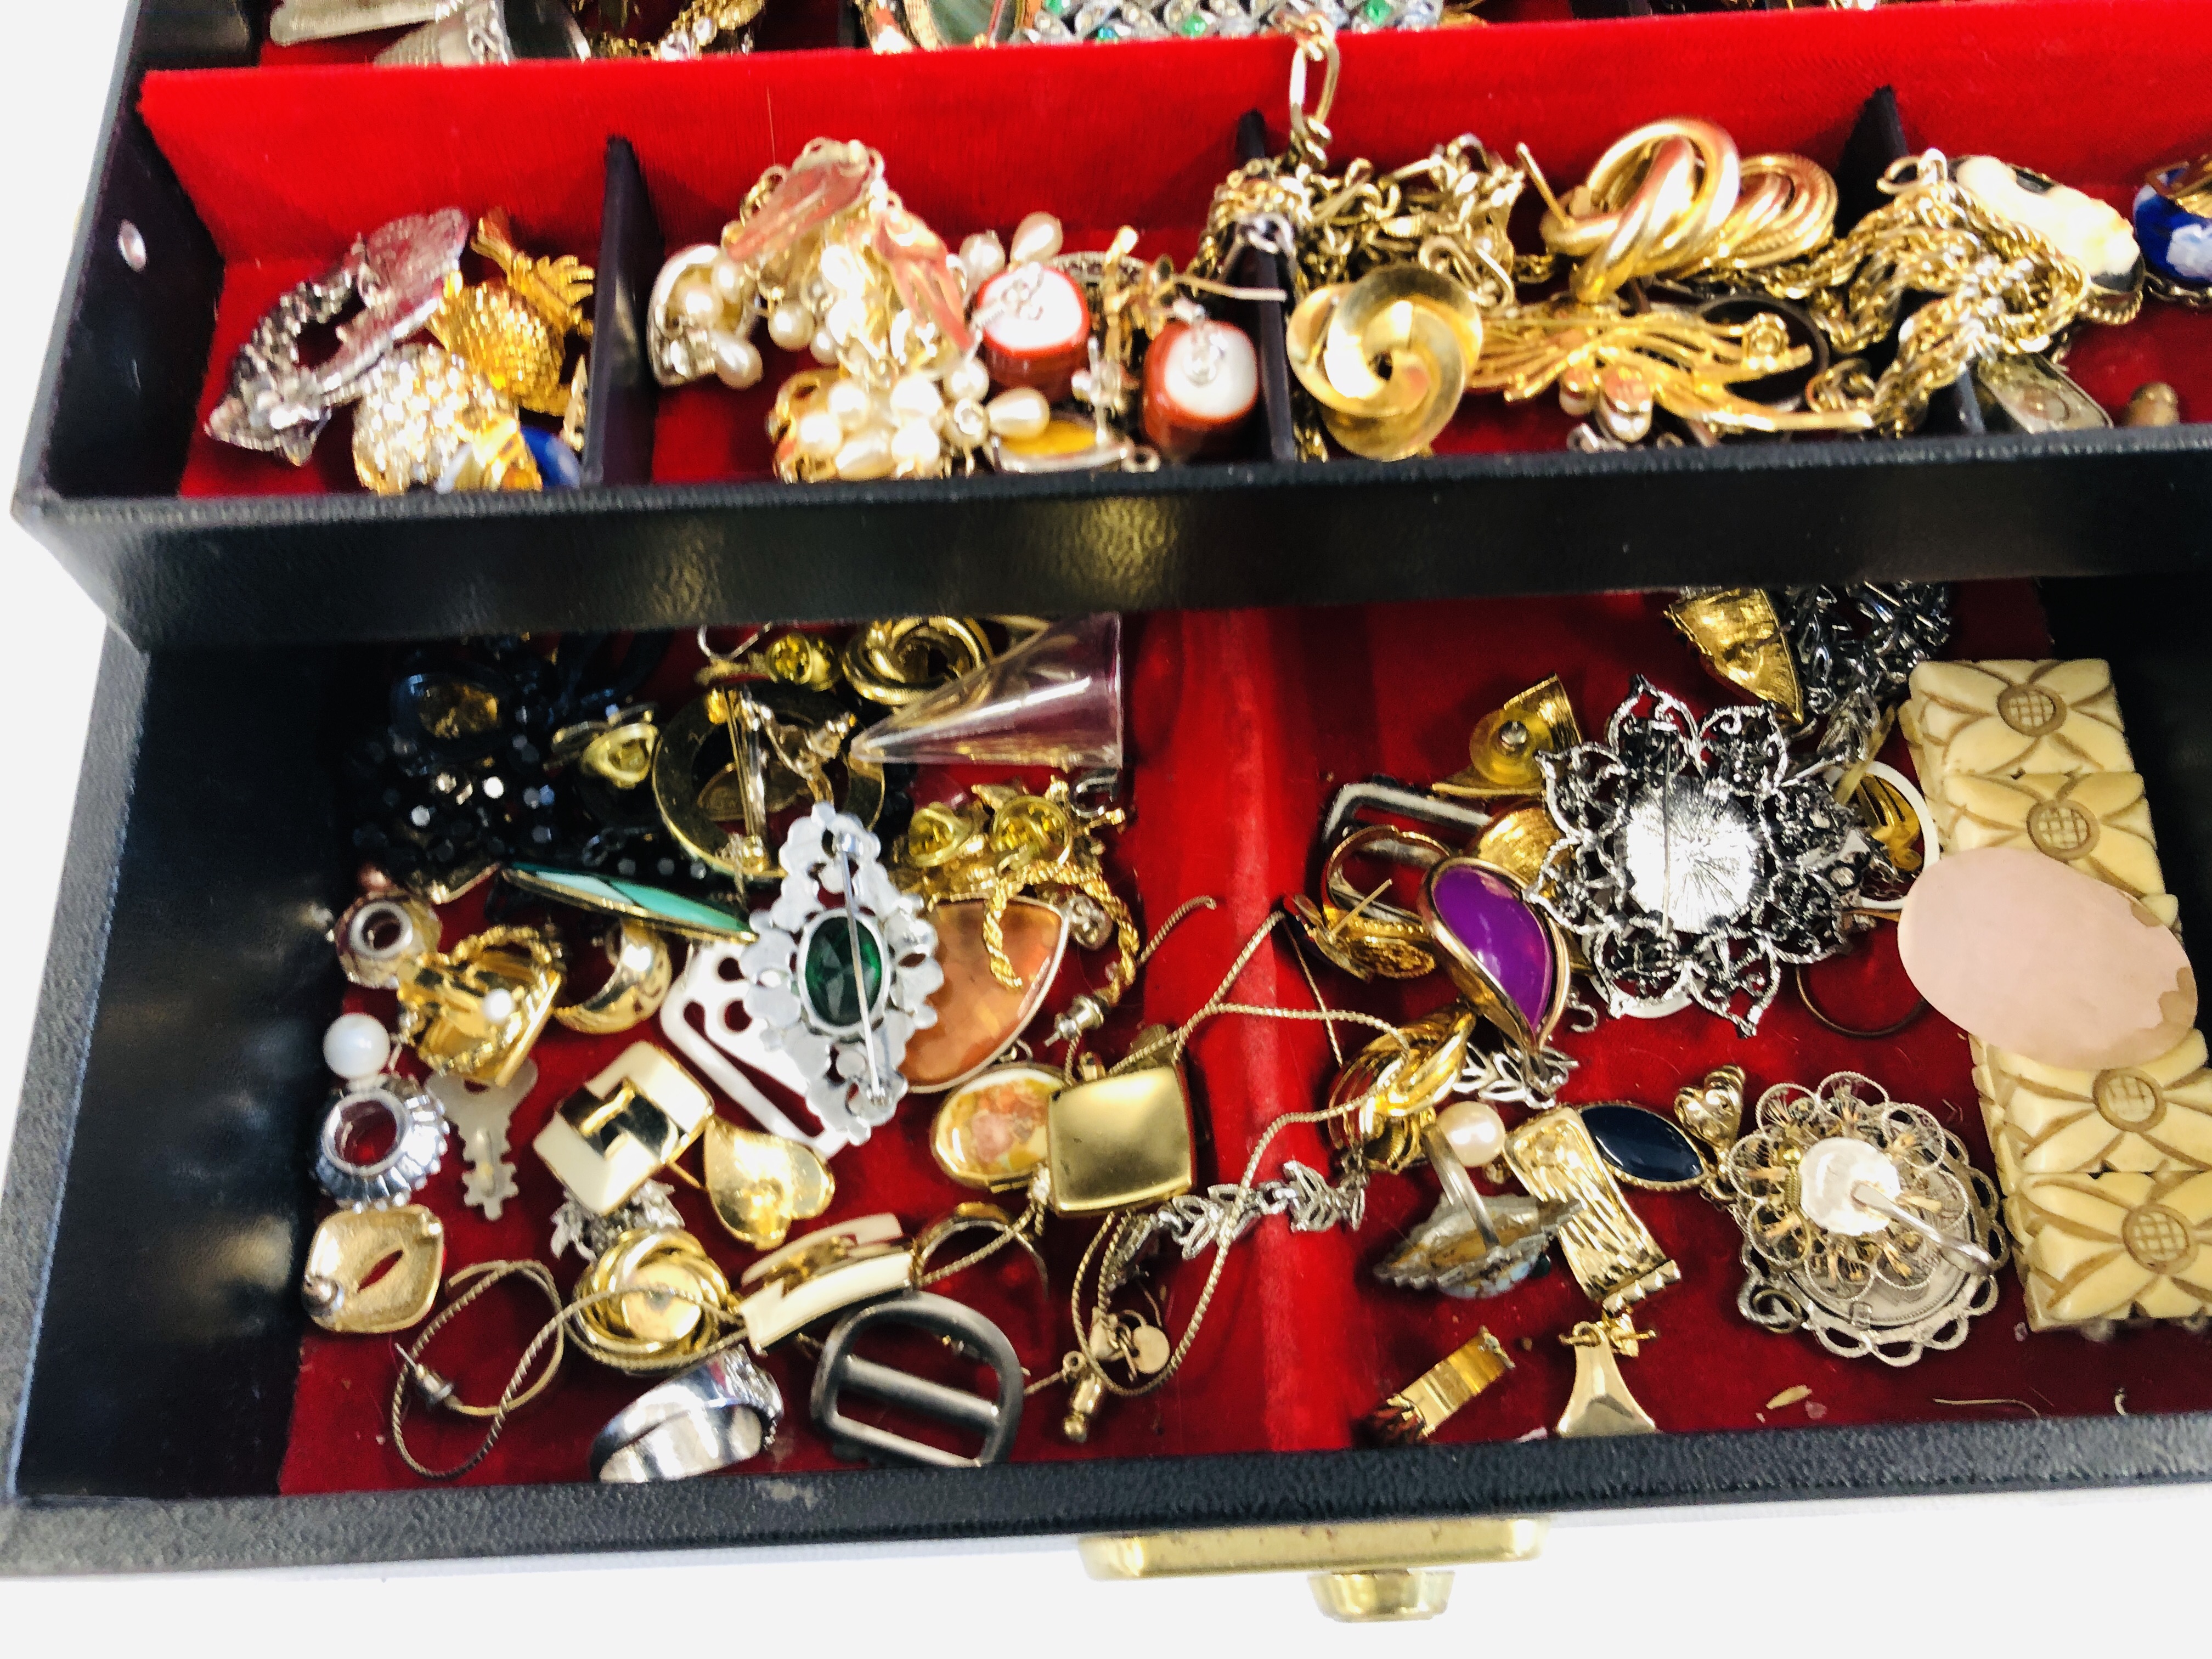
(1643, 1148)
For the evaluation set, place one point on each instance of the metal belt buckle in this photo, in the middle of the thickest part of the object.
(841, 1368)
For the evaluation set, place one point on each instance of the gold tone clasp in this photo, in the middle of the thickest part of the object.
(1362, 1572)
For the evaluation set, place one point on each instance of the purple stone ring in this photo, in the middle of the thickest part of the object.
(1508, 958)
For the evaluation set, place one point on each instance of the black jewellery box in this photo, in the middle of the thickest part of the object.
(155, 1214)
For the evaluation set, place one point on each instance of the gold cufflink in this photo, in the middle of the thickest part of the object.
(1425, 1404)
(622, 1128)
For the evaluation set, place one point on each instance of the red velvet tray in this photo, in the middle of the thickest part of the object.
(1241, 724)
(2093, 92)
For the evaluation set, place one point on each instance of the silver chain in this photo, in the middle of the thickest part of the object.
(1215, 1218)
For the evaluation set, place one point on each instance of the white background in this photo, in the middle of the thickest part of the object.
(2121, 1572)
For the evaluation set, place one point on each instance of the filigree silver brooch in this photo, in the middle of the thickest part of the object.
(1697, 859)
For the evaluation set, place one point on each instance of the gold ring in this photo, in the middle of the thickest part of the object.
(643, 972)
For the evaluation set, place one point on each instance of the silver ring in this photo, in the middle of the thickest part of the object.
(418, 1143)
(720, 1411)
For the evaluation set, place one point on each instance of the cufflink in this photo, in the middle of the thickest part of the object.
(624, 1127)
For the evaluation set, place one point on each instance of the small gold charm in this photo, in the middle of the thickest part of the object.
(1601, 1403)
(1738, 633)
(348, 1248)
(477, 1009)
(1425, 1404)
(759, 1184)
(1712, 1108)
(1611, 1252)
(1502, 750)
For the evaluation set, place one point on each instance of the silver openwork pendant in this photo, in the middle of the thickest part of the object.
(1863, 1221)
(1697, 859)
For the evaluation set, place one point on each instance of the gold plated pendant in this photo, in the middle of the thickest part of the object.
(341, 1287)
(1502, 751)
(1601, 1403)
(759, 1184)
(1738, 633)
(477, 1009)
(978, 1016)
(1611, 1252)
(992, 1132)
(1119, 1141)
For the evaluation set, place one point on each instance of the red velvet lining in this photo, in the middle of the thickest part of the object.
(1242, 723)
(2112, 96)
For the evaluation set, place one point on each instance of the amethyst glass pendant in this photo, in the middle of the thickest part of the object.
(1507, 957)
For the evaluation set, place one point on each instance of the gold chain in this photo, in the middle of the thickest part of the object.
(2002, 290)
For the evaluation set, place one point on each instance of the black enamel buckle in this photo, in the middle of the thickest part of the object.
(965, 1329)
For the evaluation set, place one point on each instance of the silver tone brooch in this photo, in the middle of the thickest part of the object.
(1862, 1222)
(841, 974)
(1697, 859)
(279, 404)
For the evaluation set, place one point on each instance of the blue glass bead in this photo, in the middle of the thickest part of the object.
(2176, 243)
(557, 463)
(1642, 1146)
